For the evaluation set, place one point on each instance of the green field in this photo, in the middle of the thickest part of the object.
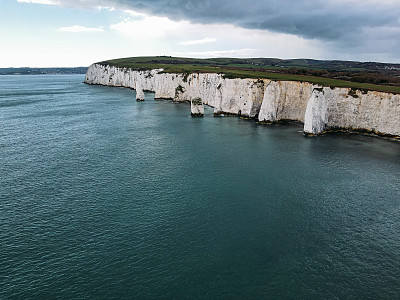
(268, 68)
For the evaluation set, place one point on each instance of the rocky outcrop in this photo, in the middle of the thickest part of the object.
(227, 96)
(320, 108)
(344, 108)
(197, 107)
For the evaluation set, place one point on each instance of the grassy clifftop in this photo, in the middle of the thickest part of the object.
(355, 75)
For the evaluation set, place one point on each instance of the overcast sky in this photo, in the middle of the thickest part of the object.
(79, 32)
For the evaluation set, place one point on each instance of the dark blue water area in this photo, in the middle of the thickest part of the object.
(103, 197)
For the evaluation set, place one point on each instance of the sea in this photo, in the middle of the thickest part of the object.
(103, 197)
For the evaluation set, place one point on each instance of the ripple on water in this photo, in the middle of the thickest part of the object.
(105, 197)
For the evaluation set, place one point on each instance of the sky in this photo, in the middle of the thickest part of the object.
(72, 33)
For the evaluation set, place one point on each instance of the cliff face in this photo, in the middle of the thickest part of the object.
(285, 100)
(319, 108)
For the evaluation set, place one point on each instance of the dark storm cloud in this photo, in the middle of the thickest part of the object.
(371, 27)
(324, 20)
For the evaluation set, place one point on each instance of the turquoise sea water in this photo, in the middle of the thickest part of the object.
(104, 197)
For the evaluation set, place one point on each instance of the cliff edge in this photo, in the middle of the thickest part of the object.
(320, 108)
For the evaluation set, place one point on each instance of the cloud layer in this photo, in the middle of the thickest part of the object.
(47, 2)
(370, 28)
(198, 42)
(78, 28)
(321, 19)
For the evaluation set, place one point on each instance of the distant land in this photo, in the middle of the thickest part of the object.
(42, 71)
(358, 75)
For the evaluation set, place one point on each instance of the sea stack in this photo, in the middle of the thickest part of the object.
(139, 94)
(197, 107)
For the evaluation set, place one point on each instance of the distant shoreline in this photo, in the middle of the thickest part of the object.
(43, 71)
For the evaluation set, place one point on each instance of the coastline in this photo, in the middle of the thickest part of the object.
(321, 109)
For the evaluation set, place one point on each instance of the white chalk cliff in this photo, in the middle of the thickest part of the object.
(319, 108)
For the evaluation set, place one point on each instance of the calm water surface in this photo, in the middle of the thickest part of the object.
(105, 197)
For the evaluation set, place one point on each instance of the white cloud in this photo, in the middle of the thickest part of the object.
(78, 28)
(198, 42)
(47, 2)
(134, 13)
(167, 37)
(223, 53)
(107, 8)
(146, 28)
